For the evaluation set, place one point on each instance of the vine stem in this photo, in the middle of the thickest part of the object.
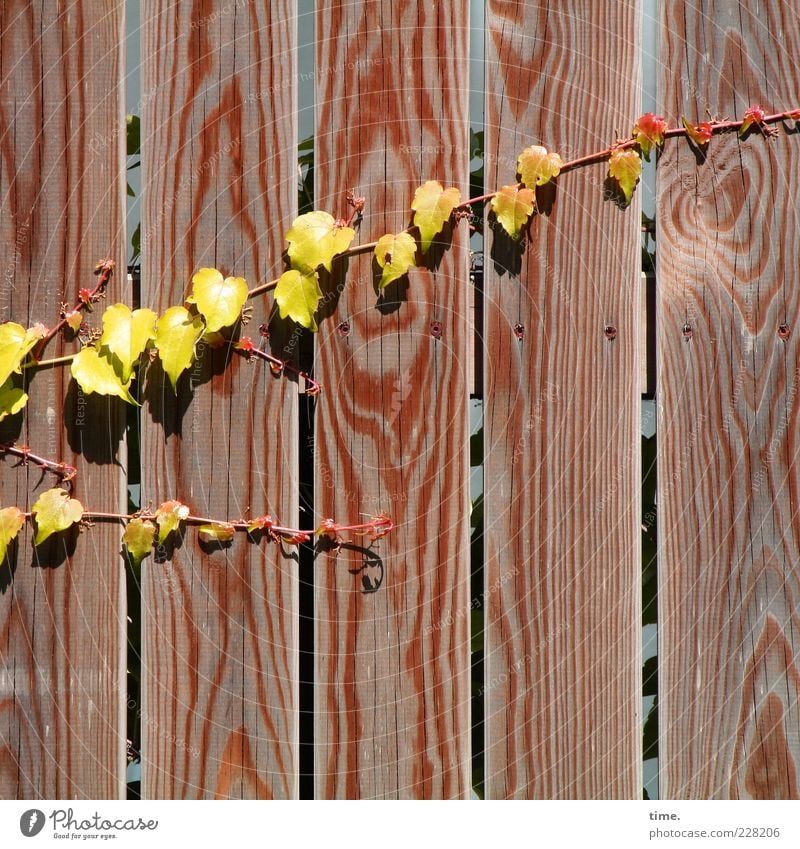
(717, 127)
(63, 470)
(104, 270)
(55, 361)
(245, 348)
(381, 524)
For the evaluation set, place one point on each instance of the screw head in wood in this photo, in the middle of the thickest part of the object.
(344, 328)
(610, 332)
(519, 331)
(436, 329)
(688, 331)
(783, 331)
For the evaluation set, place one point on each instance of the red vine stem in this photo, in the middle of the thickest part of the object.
(247, 349)
(104, 270)
(717, 127)
(64, 470)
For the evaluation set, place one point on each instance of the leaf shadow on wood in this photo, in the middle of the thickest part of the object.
(56, 549)
(94, 425)
(8, 566)
(371, 569)
(612, 192)
(506, 253)
(332, 283)
(11, 427)
(167, 407)
(393, 295)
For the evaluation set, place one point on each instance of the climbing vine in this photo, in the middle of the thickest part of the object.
(111, 356)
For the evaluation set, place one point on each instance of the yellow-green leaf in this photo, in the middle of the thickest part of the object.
(433, 206)
(216, 532)
(298, 295)
(12, 400)
(138, 539)
(625, 166)
(15, 344)
(126, 334)
(314, 240)
(95, 373)
(177, 333)
(55, 511)
(218, 300)
(395, 255)
(169, 516)
(513, 207)
(536, 166)
(11, 521)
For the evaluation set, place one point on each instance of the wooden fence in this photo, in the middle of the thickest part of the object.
(392, 675)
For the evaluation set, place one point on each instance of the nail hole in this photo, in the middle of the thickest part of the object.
(436, 329)
(344, 328)
(783, 331)
(519, 331)
(688, 332)
(611, 332)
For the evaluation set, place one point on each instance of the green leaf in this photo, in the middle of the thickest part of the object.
(513, 207)
(55, 511)
(314, 240)
(625, 166)
(133, 134)
(11, 521)
(298, 295)
(218, 300)
(15, 344)
(537, 167)
(136, 243)
(177, 333)
(12, 400)
(169, 516)
(395, 255)
(95, 373)
(138, 539)
(216, 532)
(126, 334)
(433, 206)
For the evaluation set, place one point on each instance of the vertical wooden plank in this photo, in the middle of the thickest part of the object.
(729, 659)
(62, 609)
(561, 441)
(392, 638)
(220, 626)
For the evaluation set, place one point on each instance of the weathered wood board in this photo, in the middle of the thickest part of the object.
(219, 189)
(728, 429)
(561, 434)
(392, 637)
(62, 607)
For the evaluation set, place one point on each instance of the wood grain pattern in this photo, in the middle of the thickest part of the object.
(561, 440)
(62, 609)
(220, 626)
(392, 637)
(728, 253)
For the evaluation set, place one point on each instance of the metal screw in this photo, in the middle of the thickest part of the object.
(688, 331)
(436, 329)
(783, 331)
(611, 332)
(519, 331)
(344, 328)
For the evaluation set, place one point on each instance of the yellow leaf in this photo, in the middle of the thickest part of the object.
(138, 538)
(433, 206)
(55, 511)
(314, 240)
(219, 301)
(625, 166)
(12, 400)
(297, 295)
(15, 344)
(216, 532)
(177, 333)
(126, 334)
(169, 516)
(11, 521)
(513, 207)
(536, 166)
(395, 255)
(94, 373)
